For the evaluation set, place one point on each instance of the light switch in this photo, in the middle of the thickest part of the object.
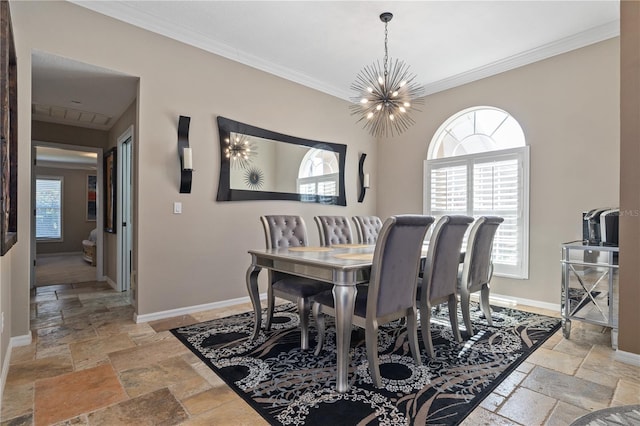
(177, 207)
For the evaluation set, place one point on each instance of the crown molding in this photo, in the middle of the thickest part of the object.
(585, 38)
(125, 12)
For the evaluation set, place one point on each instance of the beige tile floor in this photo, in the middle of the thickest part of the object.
(90, 364)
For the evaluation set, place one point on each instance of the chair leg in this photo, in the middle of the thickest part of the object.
(484, 303)
(466, 315)
(425, 324)
(318, 316)
(371, 338)
(412, 334)
(453, 317)
(271, 301)
(303, 313)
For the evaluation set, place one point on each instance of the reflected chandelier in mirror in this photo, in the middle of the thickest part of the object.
(258, 164)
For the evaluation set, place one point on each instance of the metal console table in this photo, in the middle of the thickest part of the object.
(590, 286)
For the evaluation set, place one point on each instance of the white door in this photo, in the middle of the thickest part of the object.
(124, 214)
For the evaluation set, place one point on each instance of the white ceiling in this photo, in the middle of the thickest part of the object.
(324, 44)
(71, 92)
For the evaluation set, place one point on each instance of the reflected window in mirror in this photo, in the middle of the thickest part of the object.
(318, 173)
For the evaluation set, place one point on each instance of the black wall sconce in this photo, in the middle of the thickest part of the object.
(186, 156)
(364, 178)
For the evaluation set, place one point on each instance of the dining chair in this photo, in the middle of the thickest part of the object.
(477, 268)
(440, 275)
(367, 228)
(290, 231)
(334, 230)
(391, 293)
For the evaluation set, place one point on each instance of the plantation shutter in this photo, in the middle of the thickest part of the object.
(496, 191)
(49, 208)
(449, 190)
(486, 184)
(320, 185)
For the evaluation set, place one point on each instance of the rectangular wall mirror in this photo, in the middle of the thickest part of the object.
(258, 164)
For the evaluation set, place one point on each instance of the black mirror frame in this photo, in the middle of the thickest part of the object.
(225, 193)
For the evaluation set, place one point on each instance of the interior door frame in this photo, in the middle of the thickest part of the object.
(124, 204)
(99, 213)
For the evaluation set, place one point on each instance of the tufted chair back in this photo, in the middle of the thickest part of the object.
(334, 230)
(284, 231)
(368, 228)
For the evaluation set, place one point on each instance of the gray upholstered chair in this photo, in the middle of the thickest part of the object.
(334, 230)
(290, 231)
(440, 276)
(477, 268)
(368, 228)
(391, 293)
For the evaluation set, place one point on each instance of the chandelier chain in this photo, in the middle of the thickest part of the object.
(386, 50)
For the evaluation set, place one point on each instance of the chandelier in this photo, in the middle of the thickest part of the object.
(239, 150)
(386, 93)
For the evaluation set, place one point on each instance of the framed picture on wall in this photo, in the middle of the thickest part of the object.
(110, 186)
(8, 134)
(91, 197)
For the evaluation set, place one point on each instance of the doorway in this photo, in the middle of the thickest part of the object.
(66, 195)
(85, 107)
(124, 209)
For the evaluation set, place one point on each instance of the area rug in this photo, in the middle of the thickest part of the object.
(625, 415)
(289, 386)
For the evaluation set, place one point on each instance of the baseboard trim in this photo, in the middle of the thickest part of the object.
(13, 342)
(510, 301)
(110, 282)
(191, 309)
(627, 357)
(494, 299)
(65, 253)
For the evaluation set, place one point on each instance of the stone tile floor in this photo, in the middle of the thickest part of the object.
(90, 364)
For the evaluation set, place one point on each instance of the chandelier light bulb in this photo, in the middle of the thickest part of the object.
(389, 87)
(240, 149)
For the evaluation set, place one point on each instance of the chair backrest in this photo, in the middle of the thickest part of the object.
(284, 231)
(440, 277)
(396, 263)
(334, 230)
(368, 228)
(476, 270)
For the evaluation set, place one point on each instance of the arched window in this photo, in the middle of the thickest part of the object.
(478, 164)
(318, 173)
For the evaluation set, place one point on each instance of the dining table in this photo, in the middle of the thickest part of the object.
(343, 265)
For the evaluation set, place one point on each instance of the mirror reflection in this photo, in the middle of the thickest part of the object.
(260, 164)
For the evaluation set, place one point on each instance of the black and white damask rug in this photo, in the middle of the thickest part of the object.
(289, 386)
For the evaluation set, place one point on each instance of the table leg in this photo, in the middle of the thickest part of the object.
(254, 295)
(344, 297)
